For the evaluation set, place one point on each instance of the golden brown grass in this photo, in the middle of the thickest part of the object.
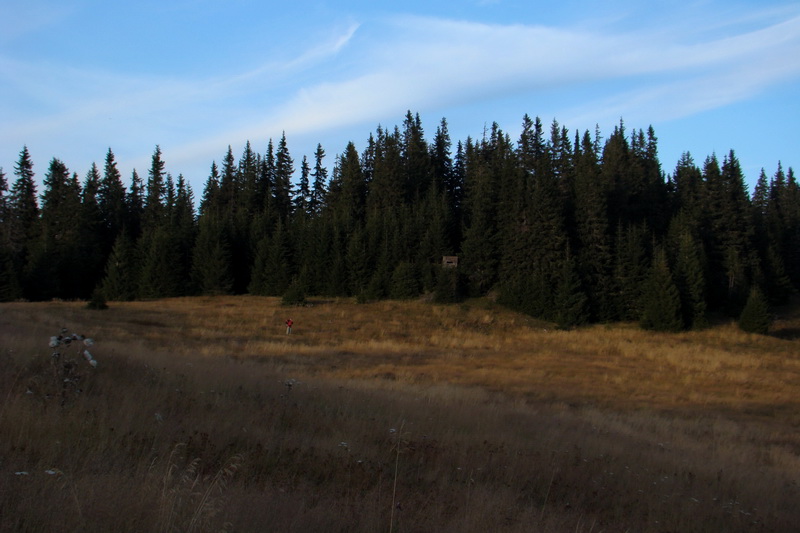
(476, 345)
(505, 423)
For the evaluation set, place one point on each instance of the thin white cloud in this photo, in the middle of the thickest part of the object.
(426, 62)
(22, 18)
(378, 69)
(725, 72)
(56, 100)
(326, 49)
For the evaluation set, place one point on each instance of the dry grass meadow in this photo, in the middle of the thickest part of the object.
(204, 415)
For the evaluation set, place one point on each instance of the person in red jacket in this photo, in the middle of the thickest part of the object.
(289, 326)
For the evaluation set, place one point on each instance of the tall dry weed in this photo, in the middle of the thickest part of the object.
(192, 502)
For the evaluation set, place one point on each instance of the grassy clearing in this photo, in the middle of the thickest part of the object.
(204, 415)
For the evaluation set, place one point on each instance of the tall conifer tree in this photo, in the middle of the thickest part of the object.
(51, 268)
(135, 206)
(23, 213)
(9, 281)
(111, 203)
(155, 193)
(595, 253)
(92, 249)
(284, 170)
(211, 269)
(661, 299)
(122, 273)
(417, 169)
(480, 244)
(320, 182)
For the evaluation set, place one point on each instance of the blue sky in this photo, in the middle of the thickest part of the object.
(78, 77)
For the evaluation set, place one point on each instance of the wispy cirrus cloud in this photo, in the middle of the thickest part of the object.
(372, 70)
(79, 105)
(423, 62)
(26, 17)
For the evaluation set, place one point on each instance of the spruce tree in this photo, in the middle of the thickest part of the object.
(737, 233)
(23, 215)
(595, 253)
(534, 264)
(320, 182)
(273, 271)
(183, 224)
(455, 192)
(3, 208)
(282, 187)
(228, 183)
(303, 194)
(647, 200)
(91, 249)
(615, 175)
(10, 288)
(689, 270)
(135, 206)
(51, 267)
(433, 219)
(689, 189)
(236, 218)
(661, 299)
(480, 245)
(248, 191)
(755, 317)
(348, 192)
(386, 187)
(513, 172)
(728, 233)
(122, 273)
(359, 264)
(778, 238)
(153, 212)
(791, 256)
(442, 162)
(160, 272)
(111, 203)
(417, 171)
(210, 204)
(267, 182)
(405, 281)
(631, 267)
(571, 303)
(211, 258)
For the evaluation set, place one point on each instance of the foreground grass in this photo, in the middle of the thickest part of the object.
(204, 415)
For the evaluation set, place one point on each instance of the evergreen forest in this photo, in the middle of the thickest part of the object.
(565, 226)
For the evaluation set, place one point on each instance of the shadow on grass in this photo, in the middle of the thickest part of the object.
(787, 334)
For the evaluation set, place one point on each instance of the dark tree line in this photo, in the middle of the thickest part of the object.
(561, 225)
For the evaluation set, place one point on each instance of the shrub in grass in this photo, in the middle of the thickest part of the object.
(98, 301)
